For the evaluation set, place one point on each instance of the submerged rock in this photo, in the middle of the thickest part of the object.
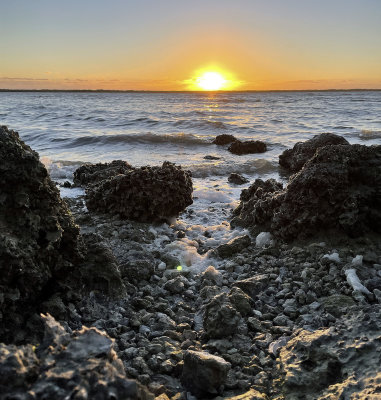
(339, 189)
(95, 173)
(81, 365)
(295, 158)
(248, 147)
(204, 374)
(143, 194)
(40, 247)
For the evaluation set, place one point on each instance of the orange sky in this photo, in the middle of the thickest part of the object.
(298, 44)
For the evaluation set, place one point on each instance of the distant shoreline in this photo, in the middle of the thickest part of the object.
(183, 91)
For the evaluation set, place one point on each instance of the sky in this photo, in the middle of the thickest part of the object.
(165, 44)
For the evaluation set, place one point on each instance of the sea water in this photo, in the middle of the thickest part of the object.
(68, 129)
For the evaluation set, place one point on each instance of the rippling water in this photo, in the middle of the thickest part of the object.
(68, 129)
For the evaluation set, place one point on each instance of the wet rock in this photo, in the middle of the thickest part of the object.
(338, 189)
(143, 194)
(83, 364)
(220, 318)
(95, 173)
(295, 158)
(221, 140)
(40, 247)
(235, 246)
(322, 364)
(248, 147)
(237, 179)
(204, 374)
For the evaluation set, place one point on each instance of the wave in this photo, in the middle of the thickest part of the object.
(184, 139)
(204, 124)
(369, 134)
(258, 166)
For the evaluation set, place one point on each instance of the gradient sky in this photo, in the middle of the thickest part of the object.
(160, 44)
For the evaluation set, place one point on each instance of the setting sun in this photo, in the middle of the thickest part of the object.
(211, 81)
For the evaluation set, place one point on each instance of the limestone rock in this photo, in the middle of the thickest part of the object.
(204, 374)
(248, 147)
(295, 158)
(143, 194)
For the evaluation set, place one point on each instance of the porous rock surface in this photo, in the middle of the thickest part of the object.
(248, 147)
(204, 374)
(339, 362)
(94, 173)
(143, 194)
(339, 188)
(81, 365)
(294, 159)
(40, 247)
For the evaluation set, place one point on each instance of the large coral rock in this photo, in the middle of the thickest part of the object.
(338, 189)
(144, 194)
(82, 365)
(94, 173)
(39, 241)
(204, 374)
(339, 362)
(294, 159)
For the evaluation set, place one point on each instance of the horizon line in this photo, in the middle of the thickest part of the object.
(187, 91)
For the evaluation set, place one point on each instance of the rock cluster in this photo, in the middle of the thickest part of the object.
(82, 365)
(339, 188)
(294, 159)
(144, 194)
(238, 147)
(40, 247)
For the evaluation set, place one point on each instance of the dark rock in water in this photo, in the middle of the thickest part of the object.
(40, 247)
(208, 157)
(335, 363)
(83, 365)
(221, 319)
(294, 159)
(67, 184)
(144, 194)
(249, 147)
(221, 140)
(339, 189)
(95, 173)
(234, 246)
(237, 179)
(204, 374)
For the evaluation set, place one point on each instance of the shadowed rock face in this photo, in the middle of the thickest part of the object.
(83, 365)
(39, 241)
(339, 189)
(94, 173)
(144, 194)
(294, 159)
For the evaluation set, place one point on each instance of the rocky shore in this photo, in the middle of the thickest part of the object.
(92, 309)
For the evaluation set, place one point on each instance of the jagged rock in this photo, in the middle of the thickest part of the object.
(254, 285)
(83, 365)
(204, 374)
(234, 246)
(143, 194)
(220, 317)
(95, 173)
(252, 394)
(237, 179)
(138, 269)
(221, 140)
(338, 189)
(248, 147)
(40, 248)
(343, 362)
(240, 300)
(295, 158)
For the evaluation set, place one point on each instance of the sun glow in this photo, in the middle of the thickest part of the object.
(212, 79)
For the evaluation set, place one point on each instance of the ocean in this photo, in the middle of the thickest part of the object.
(68, 129)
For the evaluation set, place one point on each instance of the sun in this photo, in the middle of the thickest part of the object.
(211, 80)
